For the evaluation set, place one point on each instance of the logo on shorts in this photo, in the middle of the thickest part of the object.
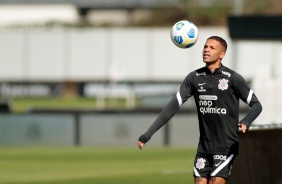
(223, 84)
(220, 157)
(217, 164)
(200, 163)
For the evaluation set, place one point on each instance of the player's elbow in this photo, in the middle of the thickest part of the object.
(258, 107)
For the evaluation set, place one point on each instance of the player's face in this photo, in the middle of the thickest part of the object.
(213, 52)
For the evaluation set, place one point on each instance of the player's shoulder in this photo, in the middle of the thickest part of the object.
(229, 72)
(190, 77)
(195, 73)
(234, 76)
(200, 72)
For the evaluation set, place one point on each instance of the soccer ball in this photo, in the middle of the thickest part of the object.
(184, 34)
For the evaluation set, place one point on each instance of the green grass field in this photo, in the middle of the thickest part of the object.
(85, 165)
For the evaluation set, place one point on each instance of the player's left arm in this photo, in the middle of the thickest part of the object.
(248, 96)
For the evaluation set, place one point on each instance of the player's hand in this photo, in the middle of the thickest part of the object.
(140, 144)
(143, 139)
(243, 127)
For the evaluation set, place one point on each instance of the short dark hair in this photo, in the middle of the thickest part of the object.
(220, 40)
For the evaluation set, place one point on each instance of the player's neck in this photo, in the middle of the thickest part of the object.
(213, 66)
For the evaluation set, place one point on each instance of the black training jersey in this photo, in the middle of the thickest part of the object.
(217, 99)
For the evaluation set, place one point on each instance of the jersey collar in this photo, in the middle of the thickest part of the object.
(216, 71)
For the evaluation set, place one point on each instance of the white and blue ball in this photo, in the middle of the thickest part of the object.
(184, 34)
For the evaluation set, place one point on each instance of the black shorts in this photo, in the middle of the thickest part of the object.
(207, 165)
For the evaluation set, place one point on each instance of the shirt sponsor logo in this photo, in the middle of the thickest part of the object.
(208, 97)
(223, 84)
(201, 74)
(226, 73)
(201, 87)
(206, 108)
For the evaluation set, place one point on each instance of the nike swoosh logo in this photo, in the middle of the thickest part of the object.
(217, 164)
(200, 84)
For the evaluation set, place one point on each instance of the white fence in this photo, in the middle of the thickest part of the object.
(98, 54)
(61, 54)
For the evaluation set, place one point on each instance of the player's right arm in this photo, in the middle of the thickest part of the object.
(168, 111)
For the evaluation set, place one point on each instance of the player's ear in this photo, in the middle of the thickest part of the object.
(222, 54)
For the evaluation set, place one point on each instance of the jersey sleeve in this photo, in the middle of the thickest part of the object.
(247, 95)
(185, 91)
(169, 110)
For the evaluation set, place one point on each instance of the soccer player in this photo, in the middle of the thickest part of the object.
(216, 90)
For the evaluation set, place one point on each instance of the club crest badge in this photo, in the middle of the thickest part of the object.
(200, 163)
(223, 84)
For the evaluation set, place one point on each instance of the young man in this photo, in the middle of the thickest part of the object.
(216, 90)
